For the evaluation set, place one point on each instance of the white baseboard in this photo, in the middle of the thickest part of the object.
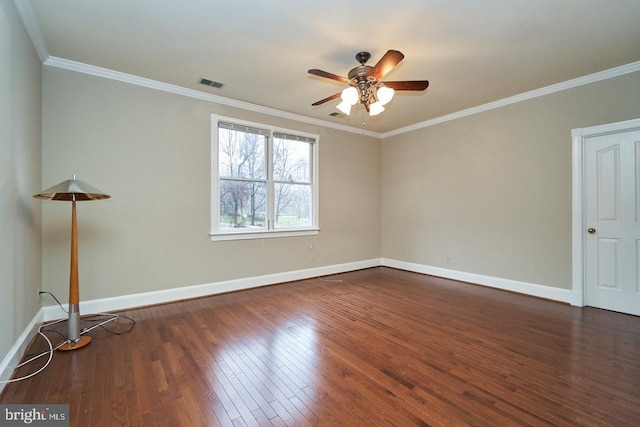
(16, 352)
(541, 291)
(175, 294)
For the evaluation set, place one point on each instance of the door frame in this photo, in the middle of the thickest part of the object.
(579, 137)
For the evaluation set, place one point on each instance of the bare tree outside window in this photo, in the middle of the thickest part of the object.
(242, 179)
(263, 181)
(292, 177)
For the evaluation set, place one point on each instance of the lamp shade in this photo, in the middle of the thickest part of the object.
(345, 107)
(375, 109)
(385, 94)
(350, 95)
(72, 190)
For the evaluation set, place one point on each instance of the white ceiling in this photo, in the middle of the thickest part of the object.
(472, 51)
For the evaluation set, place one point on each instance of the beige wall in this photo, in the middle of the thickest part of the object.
(151, 151)
(20, 165)
(490, 194)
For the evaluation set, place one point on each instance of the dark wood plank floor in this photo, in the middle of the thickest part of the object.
(372, 347)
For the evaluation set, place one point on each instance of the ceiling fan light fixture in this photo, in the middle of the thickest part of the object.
(376, 108)
(365, 84)
(345, 107)
(350, 95)
(385, 95)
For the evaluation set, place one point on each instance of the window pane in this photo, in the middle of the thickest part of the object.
(242, 204)
(291, 160)
(293, 205)
(264, 180)
(241, 154)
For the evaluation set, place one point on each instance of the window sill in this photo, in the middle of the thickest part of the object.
(216, 237)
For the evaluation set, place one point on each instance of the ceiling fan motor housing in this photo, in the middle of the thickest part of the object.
(359, 73)
(358, 78)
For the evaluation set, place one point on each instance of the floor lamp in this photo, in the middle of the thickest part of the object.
(73, 190)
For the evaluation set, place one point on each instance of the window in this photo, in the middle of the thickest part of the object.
(263, 182)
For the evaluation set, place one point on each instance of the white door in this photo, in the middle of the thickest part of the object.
(612, 221)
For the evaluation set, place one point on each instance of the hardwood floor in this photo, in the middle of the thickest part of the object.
(366, 348)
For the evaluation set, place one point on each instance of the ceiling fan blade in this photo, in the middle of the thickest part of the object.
(327, 75)
(386, 64)
(408, 85)
(327, 99)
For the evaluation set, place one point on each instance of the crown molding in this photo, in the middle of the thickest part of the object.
(559, 87)
(179, 90)
(80, 67)
(33, 29)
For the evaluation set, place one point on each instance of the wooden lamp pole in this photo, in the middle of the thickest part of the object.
(74, 340)
(73, 190)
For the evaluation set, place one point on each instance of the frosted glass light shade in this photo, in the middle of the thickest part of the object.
(350, 95)
(385, 95)
(345, 107)
(375, 109)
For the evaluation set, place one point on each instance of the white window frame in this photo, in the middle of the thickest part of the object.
(270, 231)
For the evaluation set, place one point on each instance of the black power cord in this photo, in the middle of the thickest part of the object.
(103, 319)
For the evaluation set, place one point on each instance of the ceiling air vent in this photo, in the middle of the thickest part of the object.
(211, 83)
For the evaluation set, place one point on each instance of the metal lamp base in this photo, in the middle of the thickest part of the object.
(74, 345)
(74, 339)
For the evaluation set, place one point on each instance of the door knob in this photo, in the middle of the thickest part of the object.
(591, 230)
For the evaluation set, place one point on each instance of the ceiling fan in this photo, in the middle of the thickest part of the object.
(365, 85)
